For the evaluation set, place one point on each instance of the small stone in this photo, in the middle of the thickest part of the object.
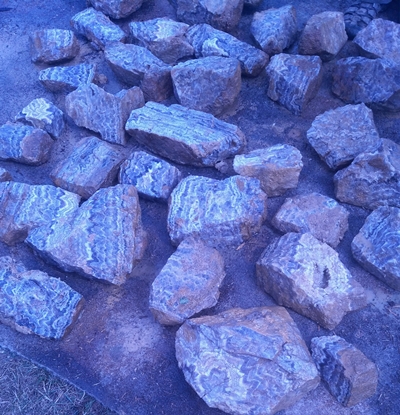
(348, 374)
(252, 3)
(340, 135)
(244, 362)
(304, 274)
(5, 176)
(117, 9)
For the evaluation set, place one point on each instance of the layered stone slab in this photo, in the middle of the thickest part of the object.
(304, 274)
(117, 9)
(32, 302)
(5, 175)
(227, 359)
(104, 239)
(183, 135)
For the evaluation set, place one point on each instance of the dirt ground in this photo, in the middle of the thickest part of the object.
(116, 351)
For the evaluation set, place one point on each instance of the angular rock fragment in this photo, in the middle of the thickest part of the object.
(5, 176)
(304, 274)
(117, 9)
(153, 177)
(244, 362)
(339, 135)
(104, 239)
(183, 135)
(34, 302)
(348, 374)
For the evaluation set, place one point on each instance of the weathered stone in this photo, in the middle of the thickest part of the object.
(164, 38)
(104, 239)
(135, 65)
(324, 35)
(24, 144)
(210, 84)
(53, 46)
(226, 211)
(153, 178)
(183, 135)
(320, 215)
(43, 114)
(348, 374)
(252, 3)
(339, 135)
(117, 9)
(5, 176)
(34, 302)
(304, 274)
(376, 246)
(187, 284)
(277, 167)
(25, 207)
(244, 362)
(208, 41)
(275, 29)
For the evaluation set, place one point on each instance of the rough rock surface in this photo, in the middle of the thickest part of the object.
(210, 84)
(5, 176)
(34, 302)
(277, 167)
(103, 239)
(187, 284)
(320, 215)
(153, 177)
(294, 80)
(376, 246)
(117, 9)
(226, 211)
(227, 359)
(339, 135)
(183, 135)
(348, 374)
(304, 274)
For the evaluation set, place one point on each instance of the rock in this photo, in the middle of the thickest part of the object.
(275, 29)
(208, 41)
(226, 211)
(43, 114)
(320, 215)
(187, 284)
(97, 27)
(339, 135)
(153, 177)
(34, 302)
(304, 274)
(324, 35)
(252, 3)
(91, 165)
(183, 135)
(104, 239)
(24, 144)
(244, 362)
(294, 80)
(117, 9)
(5, 176)
(277, 167)
(210, 84)
(135, 65)
(93, 108)
(376, 246)
(25, 207)
(164, 38)
(348, 374)
(53, 46)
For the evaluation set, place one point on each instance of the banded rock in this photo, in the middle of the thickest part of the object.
(117, 9)
(5, 175)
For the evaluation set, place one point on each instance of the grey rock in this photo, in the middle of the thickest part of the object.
(304, 274)
(340, 135)
(183, 135)
(244, 362)
(252, 3)
(117, 9)
(5, 176)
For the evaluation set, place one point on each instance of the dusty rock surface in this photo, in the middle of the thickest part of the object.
(117, 9)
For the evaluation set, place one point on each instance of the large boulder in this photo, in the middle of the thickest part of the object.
(117, 9)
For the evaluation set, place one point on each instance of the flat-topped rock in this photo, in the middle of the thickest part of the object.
(304, 274)
(228, 357)
(117, 9)
(5, 175)
(183, 135)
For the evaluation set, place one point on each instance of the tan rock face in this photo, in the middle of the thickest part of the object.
(117, 9)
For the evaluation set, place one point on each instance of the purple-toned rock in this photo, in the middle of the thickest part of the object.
(117, 9)
(5, 176)
(293, 80)
(244, 362)
(340, 135)
(34, 302)
(304, 274)
(183, 135)
(348, 374)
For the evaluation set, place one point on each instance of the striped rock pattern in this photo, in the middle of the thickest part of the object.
(227, 359)
(103, 240)
(34, 302)
(117, 9)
